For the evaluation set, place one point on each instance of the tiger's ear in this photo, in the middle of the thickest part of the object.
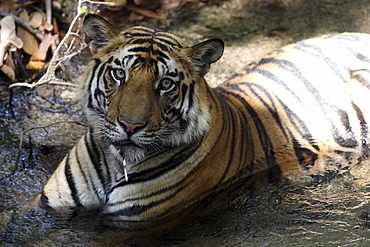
(206, 53)
(99, 31)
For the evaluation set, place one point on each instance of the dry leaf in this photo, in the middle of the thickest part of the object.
(6, 5)
(118, 4)
(9, 61)
(36, 19)
(35, 65)
(8, 41)
(9, 72)
(135, 17)
(57, 5)
(170, 4)
(8, 38)
(30, 43)
(40, 55)
(144, 12)
(48, 27)
(24, 16)
(148, 4)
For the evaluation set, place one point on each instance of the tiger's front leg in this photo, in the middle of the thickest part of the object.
(80, 181)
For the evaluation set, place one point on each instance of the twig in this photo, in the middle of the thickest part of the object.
(24, 24)
(66, 49)
(48, 11)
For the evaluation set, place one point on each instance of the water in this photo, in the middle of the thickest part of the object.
(329, 213)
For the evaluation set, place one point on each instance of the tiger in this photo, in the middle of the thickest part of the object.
(160, 138)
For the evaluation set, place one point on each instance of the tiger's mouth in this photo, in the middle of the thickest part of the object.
(123, 145)
(129, 151)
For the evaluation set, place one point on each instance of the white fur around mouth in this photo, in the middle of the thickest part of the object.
(125, 169)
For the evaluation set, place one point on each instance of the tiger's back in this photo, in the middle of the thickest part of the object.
(307, 102)
(161, 138)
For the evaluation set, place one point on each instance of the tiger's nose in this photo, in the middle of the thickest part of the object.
(130, 128)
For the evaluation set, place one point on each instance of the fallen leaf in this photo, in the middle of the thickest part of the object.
(135, 17)
(171, 4)
(36, 19)
(9, 72)
(144, 12)
(40, 55)
(9, 61)
(148, 4)
(8, 37)
(8, 41)
(24, 16)
(118, 4)
(35, 65)
(48, 27)
(6, 5)
(30, 43)
(57, 5)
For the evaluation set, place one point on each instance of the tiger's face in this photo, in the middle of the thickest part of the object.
(144, 89)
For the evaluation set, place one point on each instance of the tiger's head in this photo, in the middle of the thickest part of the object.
(144, 89)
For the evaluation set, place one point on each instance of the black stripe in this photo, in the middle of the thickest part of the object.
(160, 54)
(270, 107)
(139, 209)
(155, 193)
(357, 75)
(305, 157)
(318, 52)
(97, 63)
(151, 42)
(363, 58)
(162, 60)
(139, 49)
(184, 90)
(85, 172)
(291, 67)
(94, 156)
(246, 153)
(117, 62)
(264, 137)
(71, 183)
(364, 128)
(166, 166)
(144, 30)
(228, 122)
(44, 201)
(191, 94)
(107, 182)
(294, 119)
(271, 75)
(97, 93)
(350, 139)
(140, 41)
(79, 165)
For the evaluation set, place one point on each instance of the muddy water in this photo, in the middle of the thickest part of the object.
(333, 210)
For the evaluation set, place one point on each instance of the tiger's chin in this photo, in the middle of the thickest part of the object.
(131, 152)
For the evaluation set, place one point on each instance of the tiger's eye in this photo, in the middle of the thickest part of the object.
(166, 84)
(118, 74)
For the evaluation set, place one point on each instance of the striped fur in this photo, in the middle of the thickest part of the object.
(149, 105)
